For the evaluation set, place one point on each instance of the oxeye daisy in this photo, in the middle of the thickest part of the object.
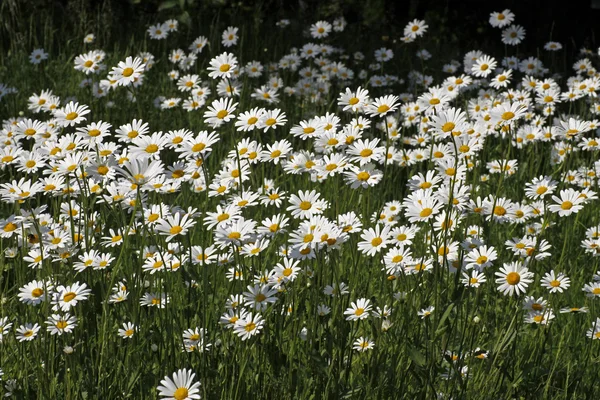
(513, 278)
(568, 203)
(555, 283)
(363, 344)
(72, 114)
(474, 279)
(426, 312)
(354, 101)
(359, 310)
(222, 66)
(27, 332)
(483, 66)
(181, 387)
(249, 325)
(128, 71)
(501, 19)
(382, 106)
(127, 331)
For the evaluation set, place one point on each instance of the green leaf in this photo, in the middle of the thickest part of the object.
(416, 356)
(184, 18)
(443, 319)
(167, 4)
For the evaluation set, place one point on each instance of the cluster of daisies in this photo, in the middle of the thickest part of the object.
(84, 191)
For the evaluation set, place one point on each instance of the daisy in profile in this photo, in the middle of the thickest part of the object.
(27, 332)
(513, 278)
(363, 344)
(181, 387)
(222, 66)
(552, 46)
(594, 331)
(483, 66)
(358, 310)
(501, 19)
(555, 283)
(89, 38)
(128, 71)
(426, 312)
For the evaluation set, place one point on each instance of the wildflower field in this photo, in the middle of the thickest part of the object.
(205, 213)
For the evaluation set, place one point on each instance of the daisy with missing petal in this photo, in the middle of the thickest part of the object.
(181, 387)
(513, 278)
(484, 66)
(271, 119)
(249, 325)
(27, 332)
(128, 71)
(363, 344)
(426, 312)
(222, 66)
(358, 310)
(72, 114)
(556, 283)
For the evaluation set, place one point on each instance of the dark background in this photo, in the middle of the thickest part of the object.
(462, 24)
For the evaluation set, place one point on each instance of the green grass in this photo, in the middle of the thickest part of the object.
(410, 359)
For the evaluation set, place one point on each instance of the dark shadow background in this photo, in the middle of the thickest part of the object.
(461, 24)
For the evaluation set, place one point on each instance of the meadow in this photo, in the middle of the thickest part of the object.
(223, 214)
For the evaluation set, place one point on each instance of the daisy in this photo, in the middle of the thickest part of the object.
(382, 106)
(513, 278)
(594, 331)
(363, 344)
(592, 289)
(415, 29)
(481, 258)
(374, 240)
(483, 66)
(306, 204)
(128, 71)
(127, 331)
(72, 114)
(222, 66)
(426, 312)
(27, 332)
(474, 280)
(59, 324)
(354, 101)
(271, 119)
(513, 35)
(569, 202)
(181, 387)
(501, 19)
(219, 112)
(37, 56)
(359, 310)
(555, 283)
(230, 37)
(175, 225)
(66, 297)
(249, 325)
